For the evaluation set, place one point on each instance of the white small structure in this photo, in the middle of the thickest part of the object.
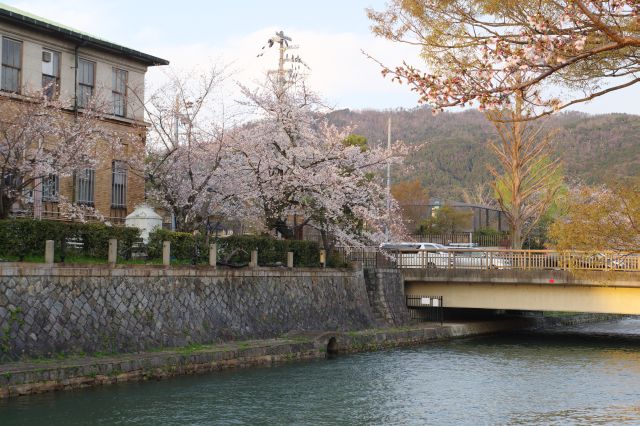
(145, 219)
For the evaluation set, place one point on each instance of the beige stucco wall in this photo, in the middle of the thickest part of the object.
(532, 297)
(32, 45)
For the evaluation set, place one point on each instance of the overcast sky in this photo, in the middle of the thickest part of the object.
(330, 33)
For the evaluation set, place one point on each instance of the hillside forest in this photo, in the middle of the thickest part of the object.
(452, 153)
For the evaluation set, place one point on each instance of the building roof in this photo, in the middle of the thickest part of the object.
(20, 17)
(437, 202)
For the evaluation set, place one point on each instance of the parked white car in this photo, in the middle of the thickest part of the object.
(419, 255)
(431, 255)
(478, 259)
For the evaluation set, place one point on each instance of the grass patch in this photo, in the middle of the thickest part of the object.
(188, 350)
(88, 260)
(560, 314)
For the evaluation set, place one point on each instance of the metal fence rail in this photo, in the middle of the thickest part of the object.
(369, 257)
(426, 308)
(461, 258)
(482, 240)
(518, 260)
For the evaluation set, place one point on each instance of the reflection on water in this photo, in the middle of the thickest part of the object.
(582, 375)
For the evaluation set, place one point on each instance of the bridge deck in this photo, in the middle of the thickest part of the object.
(602, 292)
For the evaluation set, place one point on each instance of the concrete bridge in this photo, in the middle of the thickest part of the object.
(611, 292)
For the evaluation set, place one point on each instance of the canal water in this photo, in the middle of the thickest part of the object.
(581, 375)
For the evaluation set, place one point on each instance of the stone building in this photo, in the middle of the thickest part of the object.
(41, 55)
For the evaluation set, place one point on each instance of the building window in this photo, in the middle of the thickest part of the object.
(119, 185)
(50, 73)
(120, 92)
(86, 81)
(50, 188)
(85, 186)
(11, 65)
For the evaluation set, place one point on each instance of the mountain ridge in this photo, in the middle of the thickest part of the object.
(454, 155)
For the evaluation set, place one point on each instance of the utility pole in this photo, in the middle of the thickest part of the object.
(388, 181)
(282, 41)
(282, 48)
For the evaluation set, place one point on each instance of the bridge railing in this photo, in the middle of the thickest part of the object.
(481, 240)
(518, 259)
(369, 257)
(461, 258)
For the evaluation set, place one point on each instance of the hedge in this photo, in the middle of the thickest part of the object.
(234, 250)
(26, 237)
(270, 250)
(182, 245)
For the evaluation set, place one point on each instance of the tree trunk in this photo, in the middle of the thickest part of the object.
(5, 206)
(325, 241)
(516, 236)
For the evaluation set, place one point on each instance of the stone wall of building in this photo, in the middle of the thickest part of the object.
(63, 309)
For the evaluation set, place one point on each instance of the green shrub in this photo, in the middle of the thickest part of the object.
(183, 245)
(26, 237)
(489, 236)
(236, 249)
(488, 231)
(270, 250)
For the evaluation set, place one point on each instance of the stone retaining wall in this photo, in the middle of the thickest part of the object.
(23, 378)
(61, 309)
(386, 296)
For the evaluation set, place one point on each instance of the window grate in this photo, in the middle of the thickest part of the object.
(85, 186)
(50, 188)
(119, 185)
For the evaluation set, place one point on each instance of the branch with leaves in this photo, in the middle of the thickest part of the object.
(474, 49)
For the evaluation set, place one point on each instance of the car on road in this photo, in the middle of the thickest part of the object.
(432, 255)
(418, 255)
(475, 258)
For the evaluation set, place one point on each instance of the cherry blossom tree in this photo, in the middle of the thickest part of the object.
(190, 165)
(296, 164)
(557, 52)
(41, 137)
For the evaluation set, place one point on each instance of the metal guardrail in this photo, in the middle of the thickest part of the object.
(369, 257)
(518, 260)
(482, 240)
(461, 258)
(426, 308)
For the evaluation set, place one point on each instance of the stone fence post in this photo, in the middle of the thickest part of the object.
(48, 251)
(254, 259)
(290, 259)
(113, 251)
(213, 255)
(166, 253)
